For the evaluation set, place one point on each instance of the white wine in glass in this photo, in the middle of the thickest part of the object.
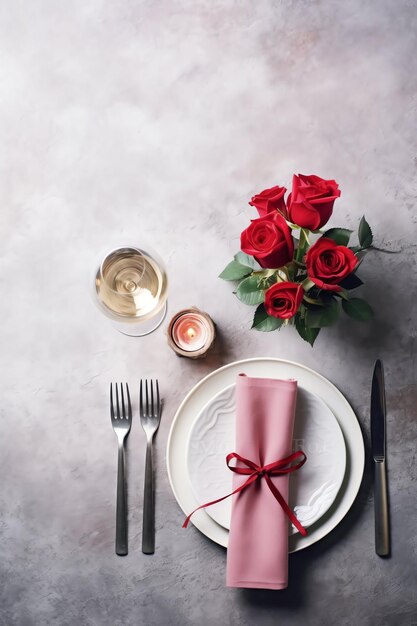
(131, 288)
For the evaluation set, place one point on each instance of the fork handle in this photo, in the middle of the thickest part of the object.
(148, 529)
(121, 507)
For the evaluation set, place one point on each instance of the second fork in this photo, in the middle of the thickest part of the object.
(150, 416)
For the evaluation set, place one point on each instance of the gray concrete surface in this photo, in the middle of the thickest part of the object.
(157, 121)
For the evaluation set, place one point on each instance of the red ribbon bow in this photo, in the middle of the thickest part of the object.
(254, 471)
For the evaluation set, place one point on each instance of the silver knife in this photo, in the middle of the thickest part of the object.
(378, 416)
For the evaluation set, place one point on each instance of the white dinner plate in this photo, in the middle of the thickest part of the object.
(316, 431)
(308, 379)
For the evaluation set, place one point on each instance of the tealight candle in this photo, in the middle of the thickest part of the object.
(191, 333)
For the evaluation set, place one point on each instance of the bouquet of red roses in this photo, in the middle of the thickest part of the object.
(293, 279)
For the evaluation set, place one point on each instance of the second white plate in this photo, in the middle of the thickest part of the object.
(316, 431)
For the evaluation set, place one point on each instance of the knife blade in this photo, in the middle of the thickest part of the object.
(378, 421)
(378, 412)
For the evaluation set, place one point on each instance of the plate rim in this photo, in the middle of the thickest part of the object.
(317, 397)
(200, 518)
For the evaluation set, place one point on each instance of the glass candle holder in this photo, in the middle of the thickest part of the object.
(191, 333)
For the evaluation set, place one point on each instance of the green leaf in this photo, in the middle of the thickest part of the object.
(264, 322)
(242, 265)
(351, 282)
(235, 271)
(248, 291)
(339, 235)
(247, 260)
(365, 233)
(358, 309)
(313, 300)
(319, 317)
(306, 333)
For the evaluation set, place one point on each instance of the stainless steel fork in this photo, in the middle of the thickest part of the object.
(121, 421)
(150, 417)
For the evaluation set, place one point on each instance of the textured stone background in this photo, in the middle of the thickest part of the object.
(156, 121)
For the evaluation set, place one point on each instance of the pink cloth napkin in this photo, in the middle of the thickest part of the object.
(257, 554)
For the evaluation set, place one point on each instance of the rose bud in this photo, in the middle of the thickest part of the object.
(283, 299)
(310, 204)
(269, 240)
(269, 200)
(328, 264)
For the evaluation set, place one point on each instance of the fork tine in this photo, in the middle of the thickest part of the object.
(129, 406)
(152, 408)
(117, 403)
(147, 397)
(123, 402)
(111, 402)
(141, 398)
(158, 402)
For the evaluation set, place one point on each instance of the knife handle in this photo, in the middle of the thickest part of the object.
(382, 543)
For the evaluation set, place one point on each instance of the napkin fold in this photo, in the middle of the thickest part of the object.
(257, 554)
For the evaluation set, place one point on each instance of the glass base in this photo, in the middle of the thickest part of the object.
(140, 329)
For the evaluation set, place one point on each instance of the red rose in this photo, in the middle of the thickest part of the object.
(269, 240)
(310, 204)
(269, 200)
(283, 299)
(328, 264)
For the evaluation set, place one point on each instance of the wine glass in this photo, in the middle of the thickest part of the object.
(131, 289)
